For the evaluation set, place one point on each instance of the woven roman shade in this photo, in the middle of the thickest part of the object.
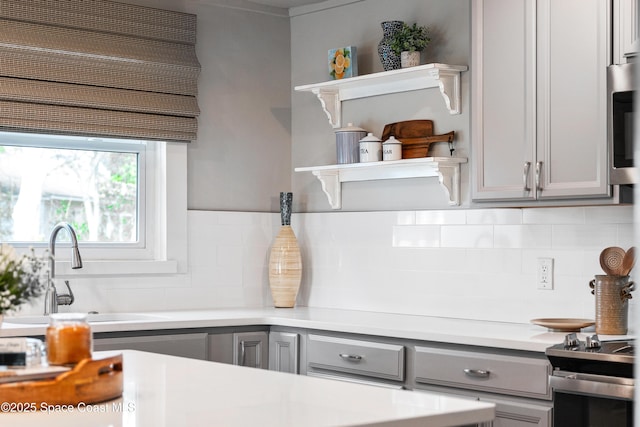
(98, 68)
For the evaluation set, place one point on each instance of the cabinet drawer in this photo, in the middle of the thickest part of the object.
(513, 375)
(359, 357)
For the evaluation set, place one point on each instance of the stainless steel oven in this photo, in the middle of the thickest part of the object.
(621, 89)
(592, 382)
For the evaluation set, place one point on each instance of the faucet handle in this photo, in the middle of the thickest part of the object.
(66, 299)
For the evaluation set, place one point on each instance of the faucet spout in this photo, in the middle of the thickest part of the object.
(52, 299)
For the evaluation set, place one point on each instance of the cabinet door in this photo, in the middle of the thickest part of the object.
(283, 352)
(251, 349)
(517, 414)
(185, 345)
(221, 348)
(626, 30)
(503, 102)
(572, 60)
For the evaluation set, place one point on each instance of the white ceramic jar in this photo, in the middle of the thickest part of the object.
(370, 149)
(392, 149)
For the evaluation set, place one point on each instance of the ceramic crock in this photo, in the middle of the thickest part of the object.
(392, 149)
(370, 149)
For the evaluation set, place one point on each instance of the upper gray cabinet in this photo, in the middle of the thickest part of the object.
(539, 99)
(626, 30)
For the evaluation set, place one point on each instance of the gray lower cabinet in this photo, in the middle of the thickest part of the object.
(521, 414)
(517, 384)
(240, 348)
(192, 345)
(284, 352)
(251, 349)
(356, 360)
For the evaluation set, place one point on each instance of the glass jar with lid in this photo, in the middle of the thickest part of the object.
(69, 339)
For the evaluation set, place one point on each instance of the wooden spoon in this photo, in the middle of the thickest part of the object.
(628, 261)
(611, 260)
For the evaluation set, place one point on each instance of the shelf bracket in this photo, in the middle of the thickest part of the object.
(331, 105)
(449, 177)
(331, 186)
(449, 85)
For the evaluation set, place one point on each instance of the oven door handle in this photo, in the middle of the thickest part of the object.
(593, 385)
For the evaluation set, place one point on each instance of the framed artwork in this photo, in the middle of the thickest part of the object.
(343, 63)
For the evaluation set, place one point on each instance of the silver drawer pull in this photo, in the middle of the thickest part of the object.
(352, 357)
(477, 373)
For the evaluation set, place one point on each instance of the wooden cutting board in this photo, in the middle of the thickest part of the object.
(90, 381)
(416, 136)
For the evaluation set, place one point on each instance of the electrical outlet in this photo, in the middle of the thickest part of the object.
(545, 273)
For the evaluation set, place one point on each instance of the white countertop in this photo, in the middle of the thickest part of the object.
(517, 336)
(167, 391)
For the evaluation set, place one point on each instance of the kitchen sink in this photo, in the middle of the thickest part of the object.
(91, 318)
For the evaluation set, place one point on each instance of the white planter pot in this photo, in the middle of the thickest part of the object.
(409, 59)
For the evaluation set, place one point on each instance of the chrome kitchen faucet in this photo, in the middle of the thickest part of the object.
(52, 299)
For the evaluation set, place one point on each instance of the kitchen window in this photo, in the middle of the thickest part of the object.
(113, 191)
(96, 184)
(138, 80)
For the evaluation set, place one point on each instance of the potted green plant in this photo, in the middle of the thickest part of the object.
(22, 278)
(409, 42)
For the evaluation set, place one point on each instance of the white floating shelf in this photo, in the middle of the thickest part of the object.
(332, 93)
(447, 169)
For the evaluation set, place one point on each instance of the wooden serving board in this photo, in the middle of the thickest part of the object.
(416, 136)
(90, 381)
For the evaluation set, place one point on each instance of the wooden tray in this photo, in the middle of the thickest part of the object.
(563, 325)
(416, 136)
(90, 381)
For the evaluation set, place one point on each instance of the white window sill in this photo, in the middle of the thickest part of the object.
(117, 268)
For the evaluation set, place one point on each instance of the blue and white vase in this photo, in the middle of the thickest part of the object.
(390, 60)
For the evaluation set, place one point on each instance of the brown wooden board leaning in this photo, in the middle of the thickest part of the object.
(416, 137)
(90, 381)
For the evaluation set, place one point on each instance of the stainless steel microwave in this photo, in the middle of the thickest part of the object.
(621, 89)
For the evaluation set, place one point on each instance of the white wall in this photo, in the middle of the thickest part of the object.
(241, 159)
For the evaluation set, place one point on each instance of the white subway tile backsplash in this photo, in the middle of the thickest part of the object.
(584, 236)
(405, 217)
(608, 214)
(626, 236)
(441, 217)
(491, 261)
(522, 236)
(416, 236)
(466, 236)
(494, 216)
(468, 263)
(554, 215)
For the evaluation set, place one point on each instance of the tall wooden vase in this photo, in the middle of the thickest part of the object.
(285, 262)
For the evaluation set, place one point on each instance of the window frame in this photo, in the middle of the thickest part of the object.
(137, 147)
(163, 220)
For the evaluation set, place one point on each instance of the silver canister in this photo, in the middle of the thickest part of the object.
(347, 140)
(392, 149)
(370, 149)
